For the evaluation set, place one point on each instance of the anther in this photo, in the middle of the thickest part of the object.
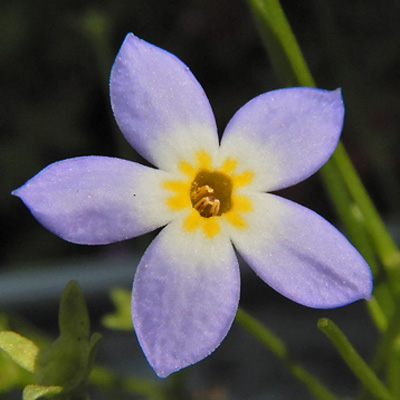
(205, 202)
(200, 192)
(210, 193)
(207, 206)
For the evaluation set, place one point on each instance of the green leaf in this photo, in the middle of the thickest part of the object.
(32, 392)
(12, 375)
(20, 349)
(64, 363)
(68, 361)
(93, 344)
(121, 319)
(73, 315)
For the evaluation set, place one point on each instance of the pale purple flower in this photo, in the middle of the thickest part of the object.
(209, 197)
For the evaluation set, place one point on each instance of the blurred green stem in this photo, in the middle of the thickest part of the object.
(388, 342)
(394, 370)
(384, 244)
(354, 361)
(274, 344)
(281, 43)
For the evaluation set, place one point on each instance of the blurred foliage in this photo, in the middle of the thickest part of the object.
(121, 318)
(56, 57)
(62, 368)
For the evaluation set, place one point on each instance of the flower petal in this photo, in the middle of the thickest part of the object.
(285, 136)
(301, 255)
(185, 297)
(97, 200)
(159, 105)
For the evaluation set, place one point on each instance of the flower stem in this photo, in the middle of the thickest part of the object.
(276, 345)
(389, 344)
(385, 246)
(349, 213)
(281, 43)
(353, 360)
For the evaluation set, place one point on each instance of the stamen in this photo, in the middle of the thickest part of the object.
(215, 207)
(204, 202)
(200, 192)
(210, 193)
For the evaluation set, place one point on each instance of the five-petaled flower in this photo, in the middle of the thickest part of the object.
(209, 197)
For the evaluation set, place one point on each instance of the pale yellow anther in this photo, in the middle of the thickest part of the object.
(208, 206)
(200, 192)
(204, 201)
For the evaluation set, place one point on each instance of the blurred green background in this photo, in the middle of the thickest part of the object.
(55, 58)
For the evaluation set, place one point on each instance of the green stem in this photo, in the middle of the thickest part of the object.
(275, 31)
(353, 360)
(353, 222)
(275, 344)
(394, 370)
(387, 346)
(349, 213)
(384, 244)
(375, 309)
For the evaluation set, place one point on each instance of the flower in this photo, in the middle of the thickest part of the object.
(209, 197)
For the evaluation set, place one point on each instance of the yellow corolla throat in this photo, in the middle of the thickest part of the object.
(210, 193)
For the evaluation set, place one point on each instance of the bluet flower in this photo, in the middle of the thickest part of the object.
(209, 197)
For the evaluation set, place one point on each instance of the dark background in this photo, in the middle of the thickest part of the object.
(55, 58)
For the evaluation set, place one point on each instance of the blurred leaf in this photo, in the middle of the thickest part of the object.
(32, 392)
(64, 363)
(20, 349)
(12, 375)
(68, 361)
(73, 315)
(94, 342)
(121, 319)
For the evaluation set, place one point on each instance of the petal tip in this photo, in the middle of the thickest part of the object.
(22, 193)
(369, 289)
(165, 372)
(337, 96)
(15, 192)
(129, 39)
